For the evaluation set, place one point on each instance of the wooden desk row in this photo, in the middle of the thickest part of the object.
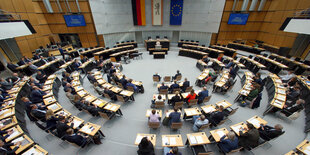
(244, 47)
(120, 75)
(10, 122)
(246, 80)
(90, 52)
(276, 93)
(222, 81)
(217, 65)
(240, 65)
(213, 53)
(201, 65)
(270, 48)
(299, 67)
(26, 65)
(251, 64)
(48, 64)
(192, 53)
(227, 51)
(180, 43)
(107, 52)
(303, 147)
(117, 56)
(272, 65)
(52, 104)
(127, 43)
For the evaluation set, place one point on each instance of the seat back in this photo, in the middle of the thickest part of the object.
(205, 153)
(193, 102)
(154, 125)
(235, 150)
(167, 78)
(120, 85)
(178, 78)
(163, 91)
(206, 99)
(130, 88)
(104, 115)
(233, 111)
(120, 98)
(155, 79)
(204, 126)
(176, 126)
(176, 89)
(222, 122)
(159, 104)
(188, 89)
(178, 104)
(106, 96)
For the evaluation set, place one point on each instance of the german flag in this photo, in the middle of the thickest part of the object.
(138, 12)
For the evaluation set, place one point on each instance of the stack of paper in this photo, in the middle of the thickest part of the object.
(192, 140)
(173, 141)
(15, 133)
(113, 108)
(199, 139)
(209, 109)
(32, 151)
(108, 106)
(53, 106)
(220, 133)
(138, 140)
(165, 141)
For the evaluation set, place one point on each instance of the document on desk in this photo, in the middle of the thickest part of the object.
(138, 140)
(255, 122)
(220, 133)
(281, 91)
(54, 106)
(281, 97)
(108, 106)
(192, 140)
(173, 141)
(278, 102)
(209, 109)
(9, 113)
(189, 112)
(32, 151)
(3, 111)
(165, 141)
(15, 133)
(199, 139)
(76, 123)
(113, 108)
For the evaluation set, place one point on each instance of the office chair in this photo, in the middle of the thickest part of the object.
(157, 37)
(149, 37)
(165, 37)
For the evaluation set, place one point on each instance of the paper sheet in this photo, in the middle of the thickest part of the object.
(165, 141)
(32, 151)
(138, 140)
(209, 109)
(18, 139)
(199, 139)
(220, 133)
(113, 108)
(282, 98)
(281, 91)
(173, 141)
(189, 112)
(308, 148)
(255, 122)
(108, 106)
(15, 133)
(192, 140)
(54, 106)
(306, 151)
(3, 111)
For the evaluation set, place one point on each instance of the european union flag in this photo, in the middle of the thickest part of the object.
(176, 10)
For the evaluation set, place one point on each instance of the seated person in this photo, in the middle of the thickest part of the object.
(230, 64)
(36, 82)
(115, 78)
(69, 86)
(253, 93)
(157, 75)
(202, 95)
(267, 132)
(98, 89)
(38, 112)
(85, 59)
(5, 84)
(158, 99)
(199, 122)
(90, 77)
(110, 93)
(33, 68)
(69, 94)
(163, 86)
(51, 120)
(174, 86)
(293, 94)
(51, 58)
(229, 143)
(62, 126)
(228, 84)
(69, 58)
(145, 147)
(80, 104)
(43, 61)
(232, 72)
(176, 98)
(12, 67)
(176, 75)
(14, 78)
(171, 151)
(205, 59)
(22, 61)
(191, 96)
(68, 77)
(5, 148)
(285, 78)
(154, 117)
(217, 116)
(175, 117)
(76, 65)
(124, 81)
(3, 96)
(41, 77)
(185, 84)
(92, 109)
(257, 78)
(290, 108)
(212, 76)
(64, 82)
(75, 138)
(135, 88)
(250, 137)
(292, 82)
(36, 95)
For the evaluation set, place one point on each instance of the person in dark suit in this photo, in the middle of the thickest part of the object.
(250, 137)
(90, 77)
(203, 94)
(267, 132)
(51, 120)
(293, 94)
(75, 138)
(5, 84)
(5, 148)
(14, 78)
(76, 65)
(85, 59)
(174, 86)
(136, 89)
(68, 77)
(3, 96)
(112, 70)
(185, 84)
(36, 56)
(232, 72)
(145, 147)
(110, 93)
(12, 67)
(92, 109)
(41, 77)
(22, 61)
(61, 51)
(176, 98)
(38, 112)
(157, 75)
(176, 75)
(205, 59)
(290, 108)
(28, 104)
(27, 59)
(36, 95)
(175, 116)
(80, 104)
(51, 58)
(62, 126)
(163, 86)
(69, 86)
(43, 61)
(123, 81)
(69, 58)
(229, 143)
(218, 116)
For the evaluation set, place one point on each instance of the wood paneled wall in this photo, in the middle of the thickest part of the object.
(262, 25)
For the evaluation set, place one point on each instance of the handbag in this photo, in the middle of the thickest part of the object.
(166, 121)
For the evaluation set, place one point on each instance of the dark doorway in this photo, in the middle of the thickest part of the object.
(71, 38)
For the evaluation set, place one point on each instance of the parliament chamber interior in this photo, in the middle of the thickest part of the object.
(152, 77)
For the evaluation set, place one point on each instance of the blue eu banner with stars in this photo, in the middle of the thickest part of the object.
(176, 10)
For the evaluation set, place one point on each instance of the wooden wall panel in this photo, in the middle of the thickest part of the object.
(29, 5)
(302, 4)
(19, 5)
(7, 5)
(24, 47)
(84, 6)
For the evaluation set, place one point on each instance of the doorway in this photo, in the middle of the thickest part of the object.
(71, 38)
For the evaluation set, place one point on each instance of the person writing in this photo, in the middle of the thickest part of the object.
(229, 143)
